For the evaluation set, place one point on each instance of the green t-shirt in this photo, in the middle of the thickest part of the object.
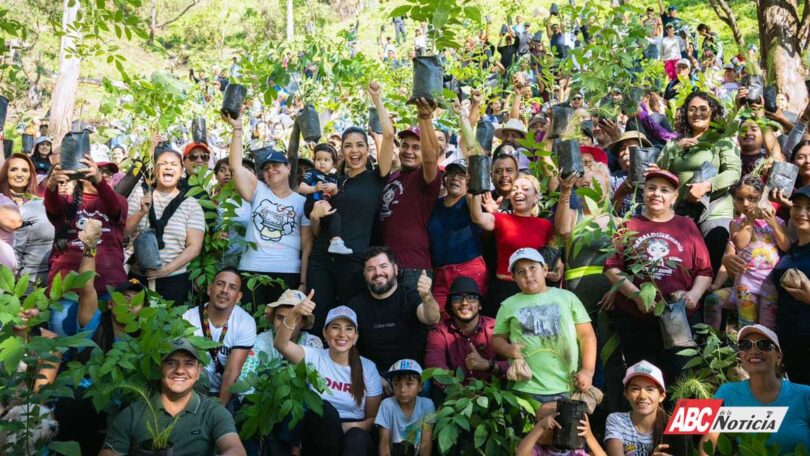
(544, 324)
(203, 422)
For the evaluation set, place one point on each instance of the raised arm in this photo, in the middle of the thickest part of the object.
(427, 140)
(244, 180)
(467, 143)
(291, 351)
(292, 153)
(483, 219)
(428, 311)
(564, 218)
(475, 107)
(385, 154)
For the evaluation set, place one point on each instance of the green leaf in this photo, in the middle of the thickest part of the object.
(480, 436)
(67, 448)
(11, 352)
(400, 11)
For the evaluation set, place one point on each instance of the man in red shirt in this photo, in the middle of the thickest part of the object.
(409, 197)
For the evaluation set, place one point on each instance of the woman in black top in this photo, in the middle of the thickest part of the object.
(338, 278)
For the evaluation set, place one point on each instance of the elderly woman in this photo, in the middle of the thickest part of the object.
(674, 258)
(793, 312)
(686, 155)
(179, 225)
(34, 239)
(761, 357)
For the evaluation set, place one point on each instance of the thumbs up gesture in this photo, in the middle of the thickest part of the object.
(423, 286)
(474, 361)
(306, 306)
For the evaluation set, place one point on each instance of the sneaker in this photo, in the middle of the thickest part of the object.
(337, 247)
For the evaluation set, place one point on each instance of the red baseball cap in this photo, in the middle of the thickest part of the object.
(193, 145)
(413, 131)
(664, 174)
(597, 153)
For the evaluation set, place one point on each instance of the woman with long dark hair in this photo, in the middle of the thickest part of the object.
(707, 202)
(354, 387)
(92, 198)
(338, 278)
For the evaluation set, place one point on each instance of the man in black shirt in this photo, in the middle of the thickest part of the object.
(393, 322)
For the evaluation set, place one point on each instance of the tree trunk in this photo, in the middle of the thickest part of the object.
(67, 81)
(726, 14)
(290, 24)
(780, 43)
(152, 22)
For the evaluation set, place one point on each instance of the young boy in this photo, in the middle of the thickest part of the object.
(405, 419)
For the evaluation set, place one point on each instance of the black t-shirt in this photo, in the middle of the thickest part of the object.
(357, 203)
(389, 328)
(508, 54)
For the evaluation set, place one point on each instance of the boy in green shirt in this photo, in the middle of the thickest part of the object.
(546, 327)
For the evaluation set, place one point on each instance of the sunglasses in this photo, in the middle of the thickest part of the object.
(458, 299)
(199, 157)
(763, 345)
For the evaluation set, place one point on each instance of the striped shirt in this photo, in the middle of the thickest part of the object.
(189, 216)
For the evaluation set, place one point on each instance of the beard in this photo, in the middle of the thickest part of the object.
(384, 288)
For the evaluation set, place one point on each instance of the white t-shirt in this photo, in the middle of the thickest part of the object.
(241, 334)
(620, 427)
(275, 227)
(670, 48)
(339, 383)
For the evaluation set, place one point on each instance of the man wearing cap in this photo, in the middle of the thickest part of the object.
(463, 339)
(455, 241)
(201, 425)
(393, 320)
(546, 327)
(409, 196)
(277, 225)
(683, 69)
(761, 355)
(670, 16)
(222, 320)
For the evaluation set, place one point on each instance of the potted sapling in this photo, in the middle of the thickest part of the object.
(477, 163)
(158, 443)
(444, 20)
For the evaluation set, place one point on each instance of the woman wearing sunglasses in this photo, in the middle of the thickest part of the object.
(761, 357)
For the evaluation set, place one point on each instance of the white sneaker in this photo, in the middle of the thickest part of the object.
(337, 247)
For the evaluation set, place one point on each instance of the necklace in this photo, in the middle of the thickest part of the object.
(19, 198)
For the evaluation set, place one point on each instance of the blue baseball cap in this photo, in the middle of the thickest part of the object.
(268, 155)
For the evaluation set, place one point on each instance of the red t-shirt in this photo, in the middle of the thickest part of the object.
(108, 207)
(514, 232)
(677, 251)
(407, 202)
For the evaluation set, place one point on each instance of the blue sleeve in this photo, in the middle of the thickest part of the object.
(93, 324)
(384, 414)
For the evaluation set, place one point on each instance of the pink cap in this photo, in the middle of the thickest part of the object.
(759, 329)
(646, 369)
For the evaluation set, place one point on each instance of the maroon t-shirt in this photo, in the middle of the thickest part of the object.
(675, 252)
(407, 202)
(108, 207)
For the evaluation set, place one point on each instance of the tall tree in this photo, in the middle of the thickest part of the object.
(290, 22)
(67, 81)
(783, 34)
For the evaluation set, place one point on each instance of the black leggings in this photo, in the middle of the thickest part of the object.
(324, 436)
(716, 240)
(336, 279)
(174, 288)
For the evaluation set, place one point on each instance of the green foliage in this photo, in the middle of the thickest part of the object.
(709, 367)
(751, 444)
(134, 359)
(445, 17)
(480, 417)
(276, 391)
(253, 281)
(160, 437)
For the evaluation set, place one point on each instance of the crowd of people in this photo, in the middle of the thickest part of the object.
(553, 282)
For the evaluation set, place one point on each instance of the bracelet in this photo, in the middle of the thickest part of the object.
(89, 253)
(287, 325)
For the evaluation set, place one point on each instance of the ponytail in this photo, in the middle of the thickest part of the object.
(358, 381)
(661, 419)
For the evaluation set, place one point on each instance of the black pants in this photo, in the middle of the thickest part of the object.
(796, 357)
(641, 339)
(716, 240)
(324, 436)
(265, 294)
(336, 279)
(79, 421)
(330, 222)
(174, 288)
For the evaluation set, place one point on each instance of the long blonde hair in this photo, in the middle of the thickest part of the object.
(536, 186)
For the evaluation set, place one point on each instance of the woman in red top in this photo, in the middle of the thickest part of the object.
(675, 258)
(522, 228)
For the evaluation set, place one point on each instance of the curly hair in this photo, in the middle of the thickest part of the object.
(717, 110)
(751, 180)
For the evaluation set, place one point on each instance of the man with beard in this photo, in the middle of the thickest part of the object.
(222, 321)
(463, 340)
(754, 147)
(393, 321)
(408, 199)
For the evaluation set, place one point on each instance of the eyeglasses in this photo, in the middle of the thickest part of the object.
(199, 157)
(763, 345)
(700, 109)
(458, 299)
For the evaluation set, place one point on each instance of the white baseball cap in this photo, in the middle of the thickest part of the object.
(759, 329)
(405, 365)
(341, 312)
(645, 369)
(526, 253)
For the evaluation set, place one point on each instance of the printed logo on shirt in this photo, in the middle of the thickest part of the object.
(273, 220)
(660, 252)
(540, 321)
(82, 216)
(338, 386)
(393, 190)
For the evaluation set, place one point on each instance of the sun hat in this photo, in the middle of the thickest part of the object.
(292, 298)
(513, 125)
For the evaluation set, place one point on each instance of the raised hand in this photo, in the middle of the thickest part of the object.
(423, 285)
(374, 91)
(474, 361)
(306, 306)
